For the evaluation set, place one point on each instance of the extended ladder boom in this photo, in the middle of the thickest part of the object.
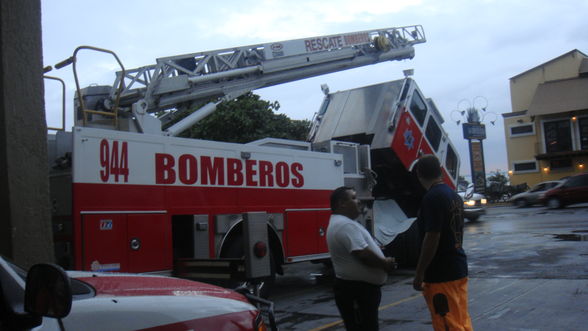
(184, 81)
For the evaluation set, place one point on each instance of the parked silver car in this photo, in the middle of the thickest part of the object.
(534, 194)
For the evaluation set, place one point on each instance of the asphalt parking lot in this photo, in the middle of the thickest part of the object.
(528, 271)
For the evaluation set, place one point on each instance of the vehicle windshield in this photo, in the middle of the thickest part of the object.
(539, 187)
(19, 271)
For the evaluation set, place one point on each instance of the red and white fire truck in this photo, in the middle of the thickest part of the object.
(129, 196)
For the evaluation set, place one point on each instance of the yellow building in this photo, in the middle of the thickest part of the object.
(547, 131)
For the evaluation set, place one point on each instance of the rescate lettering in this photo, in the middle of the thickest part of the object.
(325, 43)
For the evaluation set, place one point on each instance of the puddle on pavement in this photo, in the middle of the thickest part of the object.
(571, 237)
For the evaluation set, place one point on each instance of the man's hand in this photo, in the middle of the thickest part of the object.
(373, 260)
(417, 283)
(390, 264)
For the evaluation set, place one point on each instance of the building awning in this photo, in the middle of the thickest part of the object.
(560, 97)
(560, 155)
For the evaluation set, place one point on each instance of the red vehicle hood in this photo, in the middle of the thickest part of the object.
(141, 285)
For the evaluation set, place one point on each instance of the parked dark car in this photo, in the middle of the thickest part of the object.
(573, 190)
(534, 194)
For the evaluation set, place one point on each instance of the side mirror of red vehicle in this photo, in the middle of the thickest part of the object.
(48, 291)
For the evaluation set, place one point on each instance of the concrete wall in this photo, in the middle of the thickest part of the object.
(521, 148)
(25, 224)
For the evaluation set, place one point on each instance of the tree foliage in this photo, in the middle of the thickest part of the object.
(246, 119)
(498, 178)
(497, 186)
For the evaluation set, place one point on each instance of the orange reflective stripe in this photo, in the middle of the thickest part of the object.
(457, 318)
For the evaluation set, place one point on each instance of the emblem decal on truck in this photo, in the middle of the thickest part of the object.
(408, 139)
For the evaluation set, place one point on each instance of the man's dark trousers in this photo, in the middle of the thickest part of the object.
(358, 304)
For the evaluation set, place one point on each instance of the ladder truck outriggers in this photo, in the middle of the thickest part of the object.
(131, 197)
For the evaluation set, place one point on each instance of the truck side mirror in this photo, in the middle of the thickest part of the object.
(48, 291)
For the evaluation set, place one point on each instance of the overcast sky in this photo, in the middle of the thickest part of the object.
(472, 49)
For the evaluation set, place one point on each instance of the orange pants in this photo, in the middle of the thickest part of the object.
(455, 308)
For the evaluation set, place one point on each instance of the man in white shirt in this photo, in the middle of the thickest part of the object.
(360, 266)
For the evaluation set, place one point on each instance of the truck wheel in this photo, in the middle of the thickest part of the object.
(554, 203)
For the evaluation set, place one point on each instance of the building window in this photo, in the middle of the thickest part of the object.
(558, 136)
(525, 166)
(418, 108)
(522, 130)
(433, 133)
(583, 126)
(560, 164)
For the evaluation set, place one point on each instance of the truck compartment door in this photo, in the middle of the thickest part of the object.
(149, 242)
(307, 231)
(126, 242)
(104, 242)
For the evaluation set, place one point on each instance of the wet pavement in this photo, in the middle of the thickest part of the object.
(528, 271)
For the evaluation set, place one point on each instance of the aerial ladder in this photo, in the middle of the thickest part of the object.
(181, 83)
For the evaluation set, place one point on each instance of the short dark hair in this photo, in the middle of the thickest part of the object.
(428, 167)
(339, 195)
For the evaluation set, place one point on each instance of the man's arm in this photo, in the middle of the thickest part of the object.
(371, 259)
(428, 250)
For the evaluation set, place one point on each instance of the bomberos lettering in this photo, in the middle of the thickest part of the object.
(191, 169)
